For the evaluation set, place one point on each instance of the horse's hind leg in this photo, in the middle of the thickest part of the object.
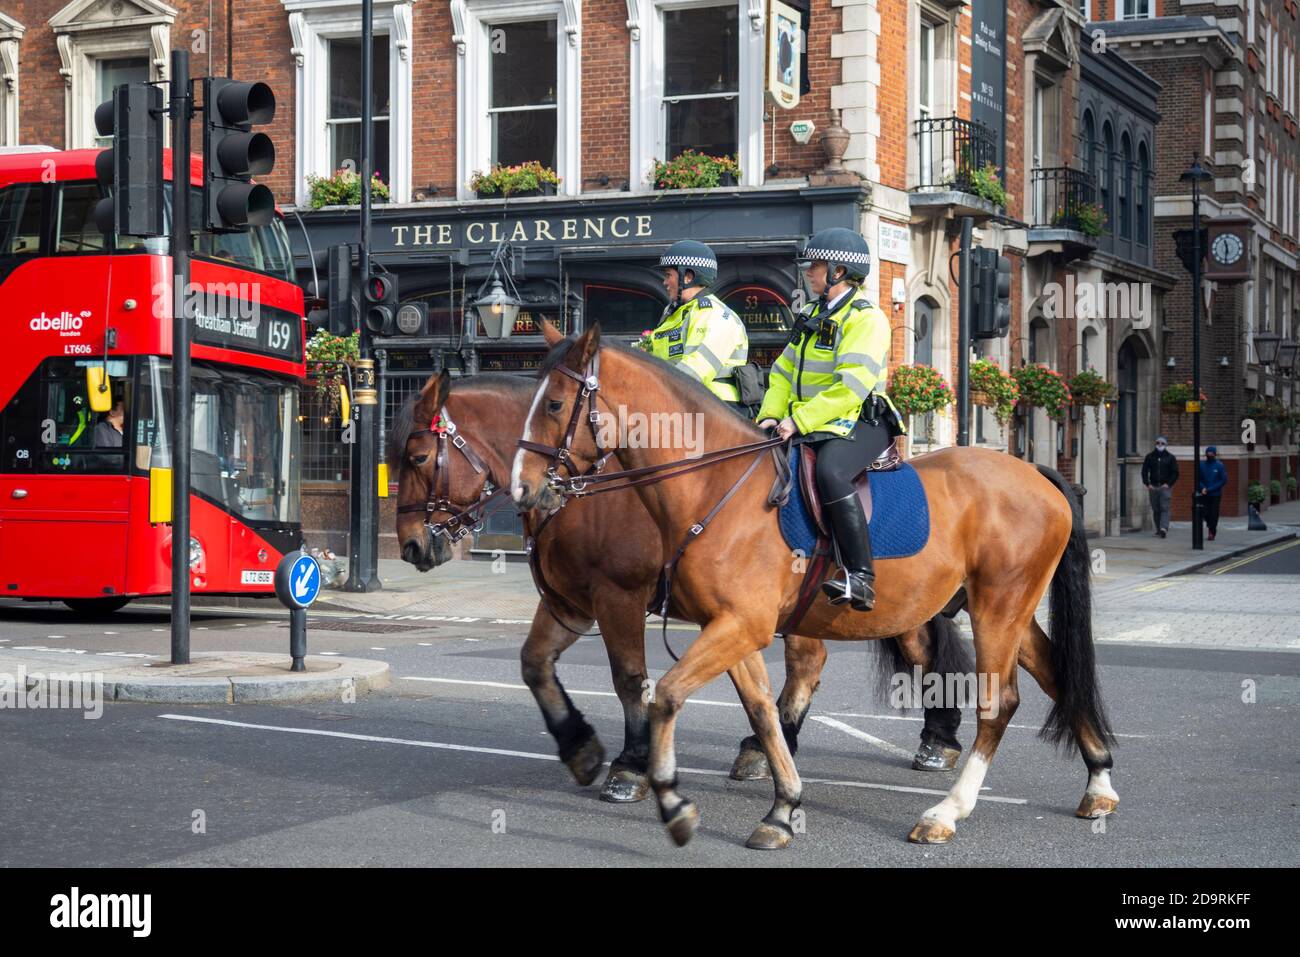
(1100, 798)
(579, 747)
(804, 658)
(622, 624)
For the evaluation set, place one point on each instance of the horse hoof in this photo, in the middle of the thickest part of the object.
(931, 832)
(750, 766)
(769, 837)
(935, 757)
(587, 760)
(1096, 805)
(683, 822)
(625, 787)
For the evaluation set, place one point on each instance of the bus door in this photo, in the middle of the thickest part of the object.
(64, 484)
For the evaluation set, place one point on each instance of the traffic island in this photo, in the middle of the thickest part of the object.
(209, 678)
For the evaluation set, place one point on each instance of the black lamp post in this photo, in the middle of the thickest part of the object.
(1196, 174)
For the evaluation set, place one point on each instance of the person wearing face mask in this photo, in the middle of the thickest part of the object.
(1211, 477)
(1159, 473)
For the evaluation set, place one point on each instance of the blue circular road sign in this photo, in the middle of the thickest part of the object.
(297, 580)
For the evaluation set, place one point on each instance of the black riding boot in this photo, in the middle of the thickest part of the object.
(857, 579)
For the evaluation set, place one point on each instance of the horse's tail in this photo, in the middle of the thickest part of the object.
(1074, 662)
(949, 655)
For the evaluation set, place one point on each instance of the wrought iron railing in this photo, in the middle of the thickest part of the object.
(950, 150)
(1066, 198)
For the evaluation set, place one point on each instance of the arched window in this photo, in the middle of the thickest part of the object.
(1089, 143)
(1142, 193)
(924, 317)
(766, 315)
(1125, 187)
(621, 311)
(1107, 170)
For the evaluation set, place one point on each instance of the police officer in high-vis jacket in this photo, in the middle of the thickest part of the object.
(828, 384)
(699, 334)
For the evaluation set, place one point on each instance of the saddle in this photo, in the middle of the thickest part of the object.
(886, 461)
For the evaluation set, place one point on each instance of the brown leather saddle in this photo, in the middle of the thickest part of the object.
(886, 461)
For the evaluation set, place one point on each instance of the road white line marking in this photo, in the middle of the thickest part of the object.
(572, 691)
(908, 717)
(534, 756)
(329, 653)
(862, 735)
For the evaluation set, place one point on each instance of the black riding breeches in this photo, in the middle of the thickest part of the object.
(841, 460)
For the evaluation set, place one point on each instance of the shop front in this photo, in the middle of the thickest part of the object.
(574, 262)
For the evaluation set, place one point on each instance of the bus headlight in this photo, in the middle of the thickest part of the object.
(196, 554)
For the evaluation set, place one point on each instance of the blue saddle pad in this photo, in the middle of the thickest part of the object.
(900, 514)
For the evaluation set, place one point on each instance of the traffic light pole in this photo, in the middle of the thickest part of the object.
(1198, 534)
(363, 522)
(180, 109)
(964, 310)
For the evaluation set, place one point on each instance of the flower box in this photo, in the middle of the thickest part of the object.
(543, 189)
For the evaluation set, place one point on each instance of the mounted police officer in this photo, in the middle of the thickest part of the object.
(699, 334)
(824, 386)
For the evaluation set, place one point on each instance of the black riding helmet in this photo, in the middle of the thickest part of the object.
(838, 246)
(689, 254)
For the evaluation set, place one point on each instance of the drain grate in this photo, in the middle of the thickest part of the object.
(364, 627)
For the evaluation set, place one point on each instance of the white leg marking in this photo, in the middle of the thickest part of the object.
(516, 471)
(961, 799)
(1099, 783)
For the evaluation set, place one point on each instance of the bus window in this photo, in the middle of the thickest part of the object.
(75, 230)
(20, 219)
(49, 427)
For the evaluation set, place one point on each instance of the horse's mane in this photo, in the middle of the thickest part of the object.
(404, 418)
(682, 384)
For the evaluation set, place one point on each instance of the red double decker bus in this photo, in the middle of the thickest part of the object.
(77, 307)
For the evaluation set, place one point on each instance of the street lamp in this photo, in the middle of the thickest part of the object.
(1267, 346)
(499, 308)
(1196, 174)
(1287, 355)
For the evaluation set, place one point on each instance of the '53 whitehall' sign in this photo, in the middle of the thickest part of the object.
(546, 229)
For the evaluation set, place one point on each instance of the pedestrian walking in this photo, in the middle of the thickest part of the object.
(1159, 473)
(1211, 478)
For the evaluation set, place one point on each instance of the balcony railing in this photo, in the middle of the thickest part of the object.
(950, 150)
(1066, 198)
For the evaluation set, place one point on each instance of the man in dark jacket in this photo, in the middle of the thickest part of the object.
(1159, 473)
(1211, 478)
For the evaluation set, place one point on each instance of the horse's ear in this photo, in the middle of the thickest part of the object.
(432, 396)
(552, 335)
(587, 345)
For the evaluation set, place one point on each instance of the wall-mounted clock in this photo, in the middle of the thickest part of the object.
(1229, 241)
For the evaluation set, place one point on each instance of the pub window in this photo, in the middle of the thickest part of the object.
(701, 80)
(344, 116)
(621, 311)
(522, 80)
(529, 322)
(443, 318)
(761, 309)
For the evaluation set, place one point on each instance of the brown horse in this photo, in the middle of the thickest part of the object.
(1000, 528)
(591, 576)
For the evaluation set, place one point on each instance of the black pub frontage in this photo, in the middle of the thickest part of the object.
(574, 261)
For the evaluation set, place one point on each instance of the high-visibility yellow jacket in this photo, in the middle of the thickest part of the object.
(837, 358)
(704, 339)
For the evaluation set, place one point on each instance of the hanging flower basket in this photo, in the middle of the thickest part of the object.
(1043, 388)
(994, 389)
(981, 399)
(919, 390)
(1175, 398)
(1089, 388)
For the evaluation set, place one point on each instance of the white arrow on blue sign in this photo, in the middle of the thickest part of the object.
(297, 580)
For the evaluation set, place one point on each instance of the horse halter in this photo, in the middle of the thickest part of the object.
(459, 523)
(588, 385)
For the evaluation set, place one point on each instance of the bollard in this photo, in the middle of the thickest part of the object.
(297, 583)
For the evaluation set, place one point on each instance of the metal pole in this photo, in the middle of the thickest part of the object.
(963, 332)
(1198, 537)
(181, 427)
(363, 537)
(298, 638)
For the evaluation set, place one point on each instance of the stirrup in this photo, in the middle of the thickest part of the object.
(852, 586)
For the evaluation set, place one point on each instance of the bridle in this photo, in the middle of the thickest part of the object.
(460, 521)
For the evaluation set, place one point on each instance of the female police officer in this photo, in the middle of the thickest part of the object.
(699, 334)
(823, 386)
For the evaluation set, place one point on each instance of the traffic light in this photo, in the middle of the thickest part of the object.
(991, 293)
(130, 172)
(233, 153)
(413, 319)
(381, 304)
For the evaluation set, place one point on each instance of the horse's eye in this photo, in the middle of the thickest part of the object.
(554, 406)
(419, 459)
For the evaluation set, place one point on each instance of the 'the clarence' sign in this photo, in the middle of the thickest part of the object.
(545, 229)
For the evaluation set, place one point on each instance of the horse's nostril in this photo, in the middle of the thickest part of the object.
(410, 553)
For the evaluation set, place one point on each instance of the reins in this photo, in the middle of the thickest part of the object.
(466, 520)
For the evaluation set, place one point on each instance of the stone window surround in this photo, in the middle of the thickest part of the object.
(11, 34)
(944, 93)
(471, 22)
(648, 137)
(81, 42)
(312, 24)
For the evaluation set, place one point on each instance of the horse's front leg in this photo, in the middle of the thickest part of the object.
(579, 747)
(621, 615)
(804, 659)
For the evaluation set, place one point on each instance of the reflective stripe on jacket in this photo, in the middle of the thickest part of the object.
(704, 339)
(830, 368)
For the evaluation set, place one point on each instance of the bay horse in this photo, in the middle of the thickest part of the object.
(1002, 529)
(590, 576)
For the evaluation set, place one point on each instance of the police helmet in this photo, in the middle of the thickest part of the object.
(696, 256)
(838, 247)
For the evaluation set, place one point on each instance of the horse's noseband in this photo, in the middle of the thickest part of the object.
(575, 482)
(460, 521)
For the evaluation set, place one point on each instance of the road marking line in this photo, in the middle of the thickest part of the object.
(1246, 561)
(908, 717)
(534, 756)
(572, 691)
(1158, 585)
(862, 736)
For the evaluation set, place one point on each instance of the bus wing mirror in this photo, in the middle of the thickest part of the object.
(160, 496)
(99, 389)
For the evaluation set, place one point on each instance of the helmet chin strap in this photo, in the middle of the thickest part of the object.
(682, 286)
